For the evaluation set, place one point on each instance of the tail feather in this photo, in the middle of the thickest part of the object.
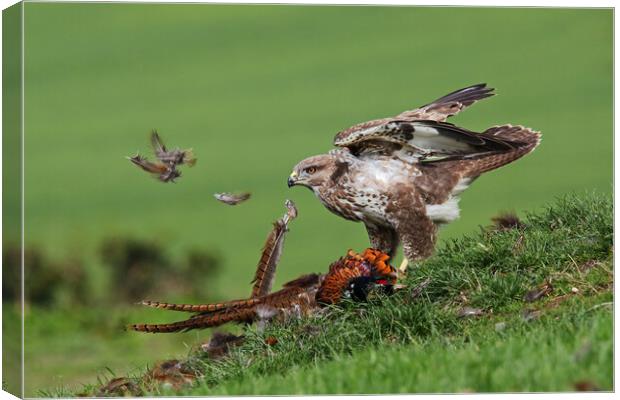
(202, 308)
(523, 140)
(198, 321)
(515, 133)
(272, 250)
(266, 269)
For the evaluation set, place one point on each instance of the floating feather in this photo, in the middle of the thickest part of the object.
(231, 198)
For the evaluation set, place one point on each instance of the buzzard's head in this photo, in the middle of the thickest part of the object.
(313, 171)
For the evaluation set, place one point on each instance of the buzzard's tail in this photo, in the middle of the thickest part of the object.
(522, 141)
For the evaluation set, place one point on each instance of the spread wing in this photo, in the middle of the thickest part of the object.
(146, 165)
(426, 140)
(450, 104)
(158, 145)
(421, 133)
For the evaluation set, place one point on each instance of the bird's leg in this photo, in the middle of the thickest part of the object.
(417, 234)
(383, 238)
(402, 270)
(265, 314)
(399, 286)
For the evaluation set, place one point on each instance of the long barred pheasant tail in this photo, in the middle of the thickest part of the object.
(209, 315)
(202, 308)
(198, 321)
(235, 311)
(272, 250)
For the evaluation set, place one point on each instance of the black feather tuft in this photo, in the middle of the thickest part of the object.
(508, 220)
(467, 95)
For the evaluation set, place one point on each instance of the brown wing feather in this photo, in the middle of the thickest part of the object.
(158, 145)
(436, 111)
(146, 165)
(303, 281)
(450, 104)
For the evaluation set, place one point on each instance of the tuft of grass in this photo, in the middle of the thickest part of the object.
(418, 343)
(550, 355)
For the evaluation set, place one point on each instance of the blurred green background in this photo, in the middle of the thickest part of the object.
(253, 90)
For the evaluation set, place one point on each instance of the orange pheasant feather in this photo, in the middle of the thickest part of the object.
(371, 263)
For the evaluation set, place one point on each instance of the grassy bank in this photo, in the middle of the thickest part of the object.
(558, 353)
(418, 340)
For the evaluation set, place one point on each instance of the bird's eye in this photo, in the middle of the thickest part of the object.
(311, 170)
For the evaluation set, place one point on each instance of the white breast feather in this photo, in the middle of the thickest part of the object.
(461, 185)
(444, 213)
(384, 173)
(448, 211)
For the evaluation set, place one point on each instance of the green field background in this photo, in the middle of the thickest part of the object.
(253, 90)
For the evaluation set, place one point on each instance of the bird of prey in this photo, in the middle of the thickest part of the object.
(352, 276)
(402, 176)
(168, 160)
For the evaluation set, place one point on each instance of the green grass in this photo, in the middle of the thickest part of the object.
(420, 345)
(254, 89)
(546, 356)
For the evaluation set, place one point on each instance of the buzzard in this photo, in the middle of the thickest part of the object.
(402, 176)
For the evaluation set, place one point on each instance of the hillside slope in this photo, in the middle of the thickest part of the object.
(519, 306)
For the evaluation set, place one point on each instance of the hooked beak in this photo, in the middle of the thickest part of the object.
(291, 179)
